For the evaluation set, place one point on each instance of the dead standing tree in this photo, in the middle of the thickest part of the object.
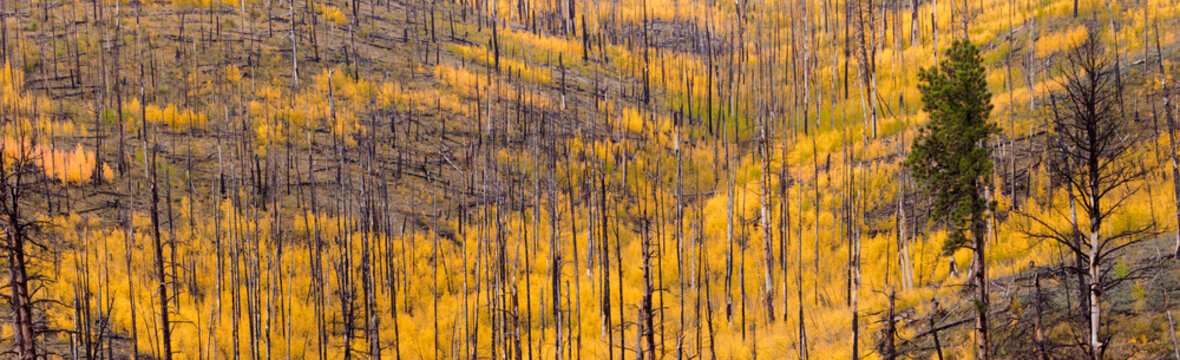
(17, 175)
(1094, 142)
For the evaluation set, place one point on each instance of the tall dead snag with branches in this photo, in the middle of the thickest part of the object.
(15, 174)
(1095, 143)
(1171, 121)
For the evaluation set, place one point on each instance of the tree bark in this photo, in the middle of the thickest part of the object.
(24, 336)
(1170, 119)
(979, 277)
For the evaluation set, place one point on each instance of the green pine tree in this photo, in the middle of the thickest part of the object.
(951, 159)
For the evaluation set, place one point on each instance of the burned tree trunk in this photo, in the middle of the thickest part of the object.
(17, 230)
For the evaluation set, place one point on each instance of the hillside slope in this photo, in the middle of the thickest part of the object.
(528, 179)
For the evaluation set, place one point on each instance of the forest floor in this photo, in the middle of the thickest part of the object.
(1135, 305)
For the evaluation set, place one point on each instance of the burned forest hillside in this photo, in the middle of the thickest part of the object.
(589, 179)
